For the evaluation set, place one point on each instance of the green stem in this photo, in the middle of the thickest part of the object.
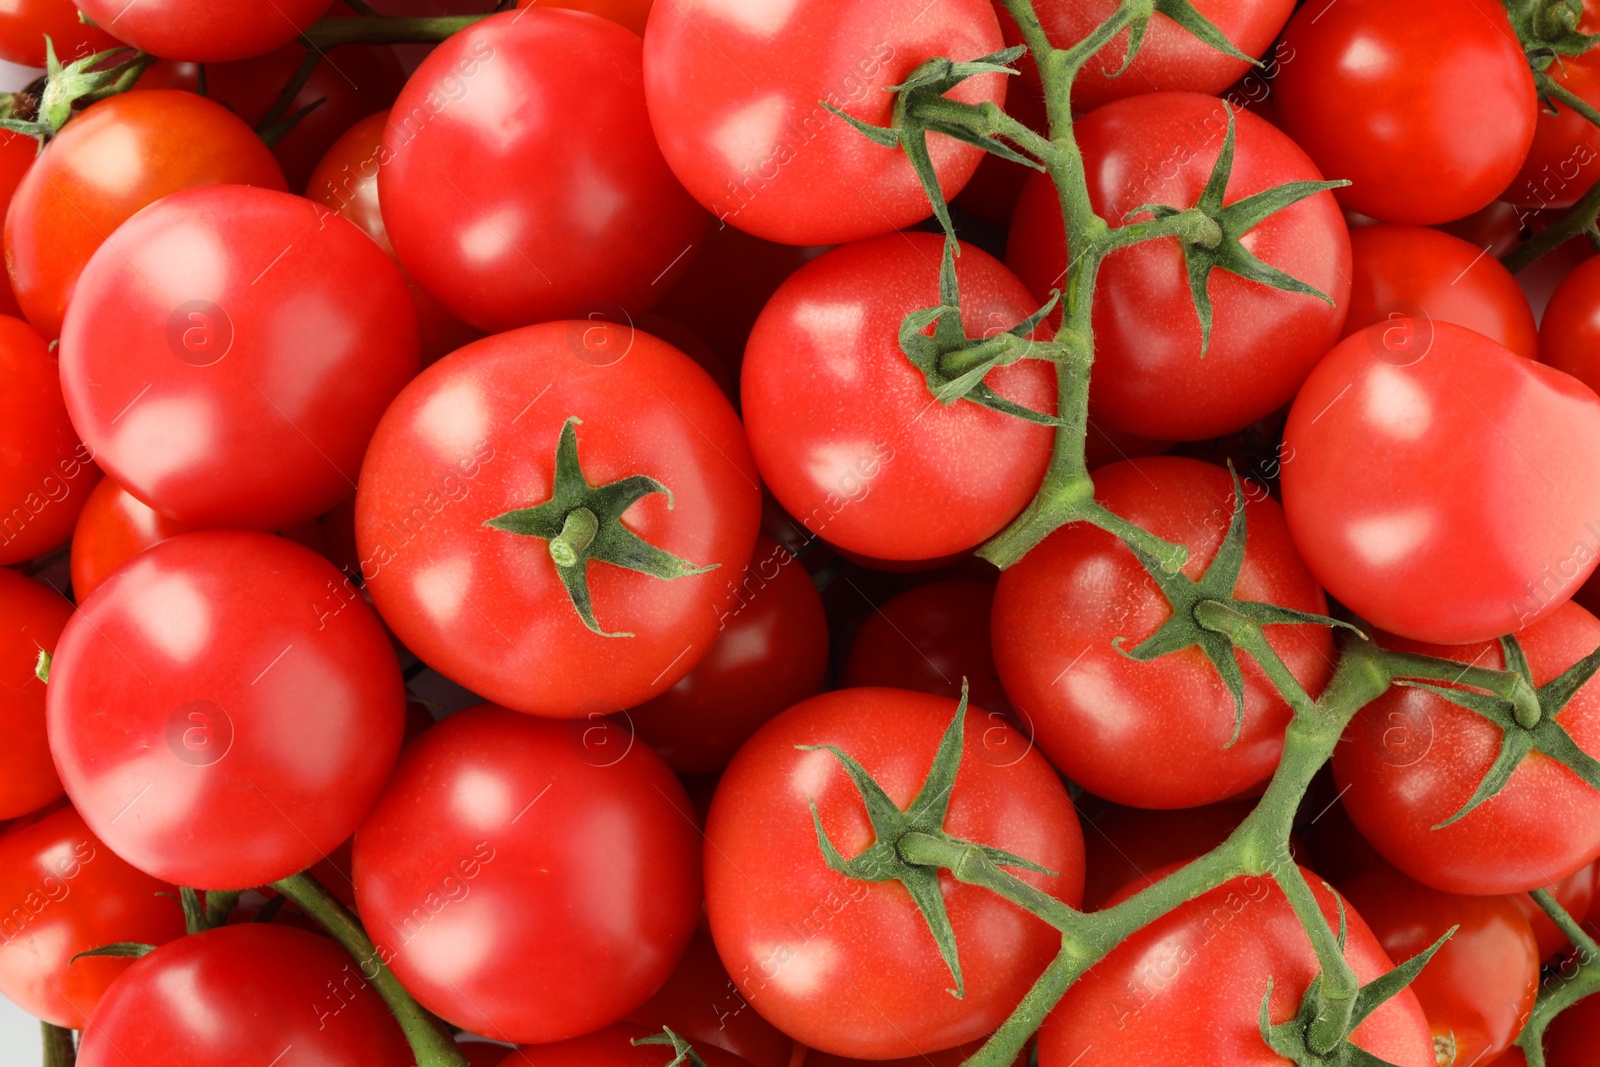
(302, 74)
(969, 865)
(1338, 981)
(1580, 216)
(385, 29)
(1566, 924)
(1508, 685)
(59, 1050)
(1247, 636)
(429, 1042)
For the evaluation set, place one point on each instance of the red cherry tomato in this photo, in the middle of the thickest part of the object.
(512, 215)
(64, 893)
(229, 357)
(1430, 116)
(1478, 989)
(771, 651)
(1570, 1041)
(1562, 163)
(113, 527)
(736, 95)
(1123, 846)
(558, 881)
(844, 428)
(116, 157)
(24, 24)
(1427, 275)
(630, 13)
(219, 714)
(701, 1004)
(1057, 612)
(1440, 486)
(237, 993)
(204, 31)
(17, 153)
(1569, 334)
(32, 616)
(1150, 376)
(45, 471)
(851, 967)
(1411, 760)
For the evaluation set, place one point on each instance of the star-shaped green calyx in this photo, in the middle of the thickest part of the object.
(583, 523)
(1521, 735)
(684, 1053)
(884, 860)
(1184, 14)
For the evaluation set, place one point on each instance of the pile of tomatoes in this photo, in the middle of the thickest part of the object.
(496, 511)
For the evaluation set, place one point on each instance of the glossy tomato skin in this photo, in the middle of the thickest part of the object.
(45, 470)
(843, 426)
(1101, 716)
(17, 153)
(24, 24)
(1564, 159)
(1150, 377)
(734, 93)
(630, 13)
(1214, 956)
(266, 988)
(116, 157)
(771, 651)
(555, 901)
(204, 31)
(1439, 485)
(113, 527)
(32, 616)
(64, 892)
(1569, 333)
(229, 358)
(701, 1003)
(1422, 273)
(614, 1047)
(1429, 116)
(1411, 760)
(475, 436)
(492, 205)
(220, 714)
(850, 967)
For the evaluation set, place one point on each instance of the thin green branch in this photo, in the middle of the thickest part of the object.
(59, 1051)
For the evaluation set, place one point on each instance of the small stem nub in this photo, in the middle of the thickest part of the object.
(577, 532)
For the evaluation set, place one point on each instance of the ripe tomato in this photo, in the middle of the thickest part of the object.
(17, 153)
(850, 967)
(32, 616)
(63, 892)
(701, 1003)
(614, 1047)
(221, 714)
(204, 31)
(630, 13)
(45, 471)
(1150, 376)
(1399, 271)
(113, 527)
(1570, 1041)
(525, 880)
(1439, 485)
(1569, 333)
(1561, 166)
(475, 436)
(228, 358)
(844, 428)
(1102, 716)
(1411, 760)
(1431, 116)
(24, 24)
(512, 215)
(1123, 846)
(736, 94)
(1479, 988)
(771, 651)
(118, 156)
(1187, 988)
(238, 994)
(347, 181)
(1170, 57)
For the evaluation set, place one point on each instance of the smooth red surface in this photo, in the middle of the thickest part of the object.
(17, 153)
(630, 13)
(229, 357)
(1565, 157)
(1569, 333)
(24, 24)
(113, 527)
(32, 616)
(205, 31)
(219, 714)
(702, 1004)
(523, 885)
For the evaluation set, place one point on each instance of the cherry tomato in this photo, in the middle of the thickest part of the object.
(1575, 893)
(737, 95)
(475, 436)
(1411, 760)
(511, 215)
(1102, 716)
(701, 1003)
(630, 13)
(204, 31)
(1150, 375)
(1424, 274)
(850, 967)
(1214, 956)
(24, 24)
(1479, 988)
(1570, 1041)
(1430, 116)
(45, 471)
(229, 357)
(32, 616)
(220, 714)
(1561, 165)
(237, 994)
(844, 428)
(1569, 334)
(1123, 845)
(113, 527)
(614, 1047)
(17, 153)
(771, 651)
(1441, 486)
(526, 882)
(63, 892)
(118, 156)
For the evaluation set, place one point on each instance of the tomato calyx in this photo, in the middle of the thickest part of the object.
(1524, 730)
(1548, 28)
(207, 912)
(70, 88)
(1184, 14)
(1202, 255)
(122, 950)
(583, 522)
(911, 846)
(686, 1055)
